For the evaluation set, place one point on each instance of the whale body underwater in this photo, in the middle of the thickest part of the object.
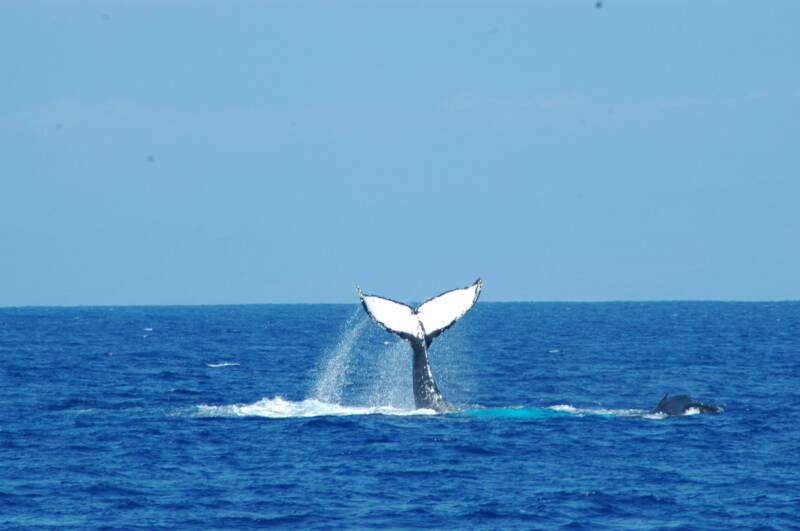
(421, 325)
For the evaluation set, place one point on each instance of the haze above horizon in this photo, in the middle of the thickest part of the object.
(159, 153)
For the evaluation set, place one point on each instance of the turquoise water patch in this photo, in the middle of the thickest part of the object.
(515, 413)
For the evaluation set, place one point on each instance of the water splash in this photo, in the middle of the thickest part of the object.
(392, 385)
(332, 377)
(453, 364)
(364, 368)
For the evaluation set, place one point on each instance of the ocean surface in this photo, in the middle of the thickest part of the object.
(302, 416)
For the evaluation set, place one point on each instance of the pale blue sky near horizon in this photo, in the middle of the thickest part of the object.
(271, 152)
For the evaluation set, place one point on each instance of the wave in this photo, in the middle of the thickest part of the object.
(223, 364)
(280, 408)
(581, 412)
(559, 410)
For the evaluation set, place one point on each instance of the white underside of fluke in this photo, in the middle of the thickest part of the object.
(394, 316)
(429, 319)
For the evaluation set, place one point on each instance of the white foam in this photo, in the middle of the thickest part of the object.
(147, 329)
(642, 413)
(222, 364)
(279, 408)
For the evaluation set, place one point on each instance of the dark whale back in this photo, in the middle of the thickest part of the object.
(680, 404)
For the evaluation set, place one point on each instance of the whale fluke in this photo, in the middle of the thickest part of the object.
(429, 319)
(419, 327)
(441, 312)
(396, 317)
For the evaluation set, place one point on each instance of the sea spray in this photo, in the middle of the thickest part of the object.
(332, 376)
(453, 362)
(365, 369)
(392, 385)
(368, 367)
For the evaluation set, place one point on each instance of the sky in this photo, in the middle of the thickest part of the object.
(200, 152)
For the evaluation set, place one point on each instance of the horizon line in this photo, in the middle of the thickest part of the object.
(355, 303)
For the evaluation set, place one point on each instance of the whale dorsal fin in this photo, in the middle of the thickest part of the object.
(441, 312)
(394, 316)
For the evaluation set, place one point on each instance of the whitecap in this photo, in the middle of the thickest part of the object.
(222, 364)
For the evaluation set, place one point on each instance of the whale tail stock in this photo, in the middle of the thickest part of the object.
(419, 327)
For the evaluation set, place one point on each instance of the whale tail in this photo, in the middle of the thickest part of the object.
(419, 326)
(429, 319)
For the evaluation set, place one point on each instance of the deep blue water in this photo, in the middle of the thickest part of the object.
(250, 416)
